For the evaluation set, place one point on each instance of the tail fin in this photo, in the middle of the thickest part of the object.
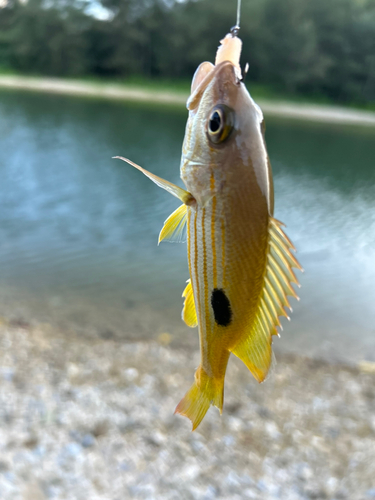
(205, 391)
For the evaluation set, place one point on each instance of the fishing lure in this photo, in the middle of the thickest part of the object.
(240, 259)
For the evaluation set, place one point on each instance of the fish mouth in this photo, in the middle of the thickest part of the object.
(224, 73)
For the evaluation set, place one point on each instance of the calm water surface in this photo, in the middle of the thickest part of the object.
(78, 230)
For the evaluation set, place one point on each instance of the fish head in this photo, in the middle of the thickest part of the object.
(224, 131)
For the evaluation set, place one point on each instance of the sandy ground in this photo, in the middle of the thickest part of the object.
(90, 418)
(330, 114)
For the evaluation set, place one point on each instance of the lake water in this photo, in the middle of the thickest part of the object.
(78, 230)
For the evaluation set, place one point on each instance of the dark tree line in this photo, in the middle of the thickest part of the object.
(321, 47)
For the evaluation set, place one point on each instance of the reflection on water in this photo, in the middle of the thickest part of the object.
(325, 184)
(78, 230)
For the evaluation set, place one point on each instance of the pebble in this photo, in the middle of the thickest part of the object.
(88, 440)
(131, 374)
(72, 449)
(272, 430)
(228, 440)
(82, 430)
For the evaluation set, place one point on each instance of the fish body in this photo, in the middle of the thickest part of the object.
(240, 260)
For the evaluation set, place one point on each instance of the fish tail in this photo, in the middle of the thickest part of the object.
(205, 391)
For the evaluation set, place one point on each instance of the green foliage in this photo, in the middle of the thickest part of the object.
(44, 40)
(307, 47)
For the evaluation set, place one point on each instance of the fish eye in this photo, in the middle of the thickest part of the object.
(215, 122)
(220, 123)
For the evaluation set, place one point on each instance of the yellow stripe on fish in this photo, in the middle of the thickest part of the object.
(255, 348)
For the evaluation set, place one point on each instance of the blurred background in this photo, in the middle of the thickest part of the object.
(93, 353)
(295, 47)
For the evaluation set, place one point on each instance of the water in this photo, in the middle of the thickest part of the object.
(78, 230)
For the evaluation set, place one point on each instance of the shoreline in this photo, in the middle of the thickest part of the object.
(308, 112)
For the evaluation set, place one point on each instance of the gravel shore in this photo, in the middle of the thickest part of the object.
(86, 418)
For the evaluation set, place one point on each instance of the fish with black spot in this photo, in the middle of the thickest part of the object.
(240, 259)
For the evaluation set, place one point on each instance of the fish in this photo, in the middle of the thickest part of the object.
(240, 259)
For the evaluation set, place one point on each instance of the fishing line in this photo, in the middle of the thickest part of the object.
(236, 28)
(238, 14)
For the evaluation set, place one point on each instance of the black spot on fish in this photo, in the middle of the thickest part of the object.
(221, 306)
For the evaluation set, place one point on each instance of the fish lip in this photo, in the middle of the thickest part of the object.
(195, 97)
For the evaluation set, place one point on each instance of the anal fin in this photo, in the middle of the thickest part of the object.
(255, 351)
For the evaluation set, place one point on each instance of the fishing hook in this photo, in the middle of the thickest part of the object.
(246, 69)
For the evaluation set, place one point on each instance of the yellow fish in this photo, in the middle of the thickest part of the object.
(240, 259)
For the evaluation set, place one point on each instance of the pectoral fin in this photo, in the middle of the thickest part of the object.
(254, 348)
(178, 192)
(174, 228)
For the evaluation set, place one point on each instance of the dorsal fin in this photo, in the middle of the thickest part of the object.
(189, 313)
(254, 349)
(174, 228)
